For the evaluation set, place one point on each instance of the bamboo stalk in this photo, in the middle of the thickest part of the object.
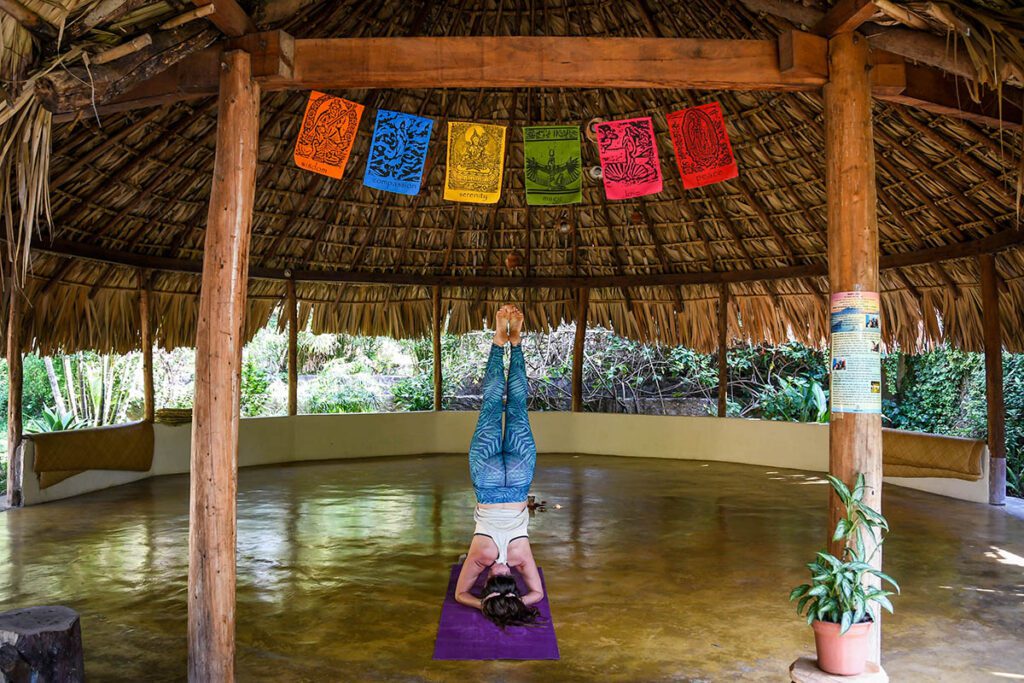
(191, 15)
(122, 50)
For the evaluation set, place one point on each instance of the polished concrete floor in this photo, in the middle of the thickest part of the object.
(658, 571)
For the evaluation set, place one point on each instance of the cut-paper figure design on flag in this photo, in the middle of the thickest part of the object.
(327, 134)
(552, 165)
(476, 157)
(703, 151)
(629, 158)
(398, 151)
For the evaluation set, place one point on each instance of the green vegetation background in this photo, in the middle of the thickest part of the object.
(940, 392)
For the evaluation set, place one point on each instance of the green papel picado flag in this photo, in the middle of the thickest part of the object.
(553, 173)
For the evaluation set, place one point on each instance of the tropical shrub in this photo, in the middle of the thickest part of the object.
(52, 421)
(255, 389)
(414, 393)
(338, 390)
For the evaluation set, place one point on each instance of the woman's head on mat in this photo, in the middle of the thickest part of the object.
(502, 604)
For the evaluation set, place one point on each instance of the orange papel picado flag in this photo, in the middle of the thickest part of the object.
(327, 135)
(476, 158)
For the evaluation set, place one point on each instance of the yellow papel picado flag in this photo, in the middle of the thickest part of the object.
(476, 158)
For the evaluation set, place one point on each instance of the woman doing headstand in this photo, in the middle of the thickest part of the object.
(501, 466)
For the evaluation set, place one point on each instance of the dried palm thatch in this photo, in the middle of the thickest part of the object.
(131, 190)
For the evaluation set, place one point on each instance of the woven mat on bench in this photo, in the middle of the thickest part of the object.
(909, 454)
(59, 455)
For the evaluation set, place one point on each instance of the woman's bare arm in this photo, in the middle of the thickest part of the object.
(471, 569)
(531, 577)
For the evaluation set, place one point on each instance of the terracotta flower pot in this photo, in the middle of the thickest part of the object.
(843, 655)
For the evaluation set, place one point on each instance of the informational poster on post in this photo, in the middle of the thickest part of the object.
(856, 353)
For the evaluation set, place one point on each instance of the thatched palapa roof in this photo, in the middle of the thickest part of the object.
(128, 193)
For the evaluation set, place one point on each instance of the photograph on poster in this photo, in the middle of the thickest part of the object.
(856, 341)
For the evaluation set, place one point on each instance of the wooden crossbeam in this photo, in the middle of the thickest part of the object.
(941, 93)
(797, 61)
(844, 16)
(491, 62)
(991, 244)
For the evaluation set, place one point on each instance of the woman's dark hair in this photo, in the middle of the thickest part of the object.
(507, 608)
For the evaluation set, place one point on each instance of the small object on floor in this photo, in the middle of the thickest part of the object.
(465, 633)
(805, 670)
(41, 644)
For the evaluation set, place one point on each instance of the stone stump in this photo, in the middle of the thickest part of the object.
(41, 645)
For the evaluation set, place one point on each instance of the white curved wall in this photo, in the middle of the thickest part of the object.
(271, 440)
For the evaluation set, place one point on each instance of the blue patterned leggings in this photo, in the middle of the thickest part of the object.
(501, 465)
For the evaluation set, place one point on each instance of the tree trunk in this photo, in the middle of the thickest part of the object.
(69, 382)
(58, 398)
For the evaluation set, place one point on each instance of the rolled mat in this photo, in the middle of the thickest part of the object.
(465, 633)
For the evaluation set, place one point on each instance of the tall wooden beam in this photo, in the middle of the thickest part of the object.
(855, 439)
(723, 350)
(993, 340)
(146, 340)
(579, 342)
(15, 302)
(293, 349)
(436, 329)
(219, 339)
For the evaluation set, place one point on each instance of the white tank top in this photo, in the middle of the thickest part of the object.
(503, 525)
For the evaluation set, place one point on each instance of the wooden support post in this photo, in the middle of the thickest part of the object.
(582, 302)
(15, 302)
(723, 350)
(219, 338)
(293, 349)
(146, 340)
(993, 379)
(855, 439)
(437, 322)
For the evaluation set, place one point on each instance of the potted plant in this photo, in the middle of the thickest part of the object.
(837, 600)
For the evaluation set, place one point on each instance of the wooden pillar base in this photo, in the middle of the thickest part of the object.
(805, 670)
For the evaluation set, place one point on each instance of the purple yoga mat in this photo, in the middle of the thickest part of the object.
(465, 633)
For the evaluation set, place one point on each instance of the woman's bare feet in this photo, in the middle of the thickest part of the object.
(515, 326)
(501, 320)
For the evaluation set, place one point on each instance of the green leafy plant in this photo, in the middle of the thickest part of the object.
(338, 390)
(255, 384)
(52, 421)
(414, 393)
(837, 592)
(797, 400)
